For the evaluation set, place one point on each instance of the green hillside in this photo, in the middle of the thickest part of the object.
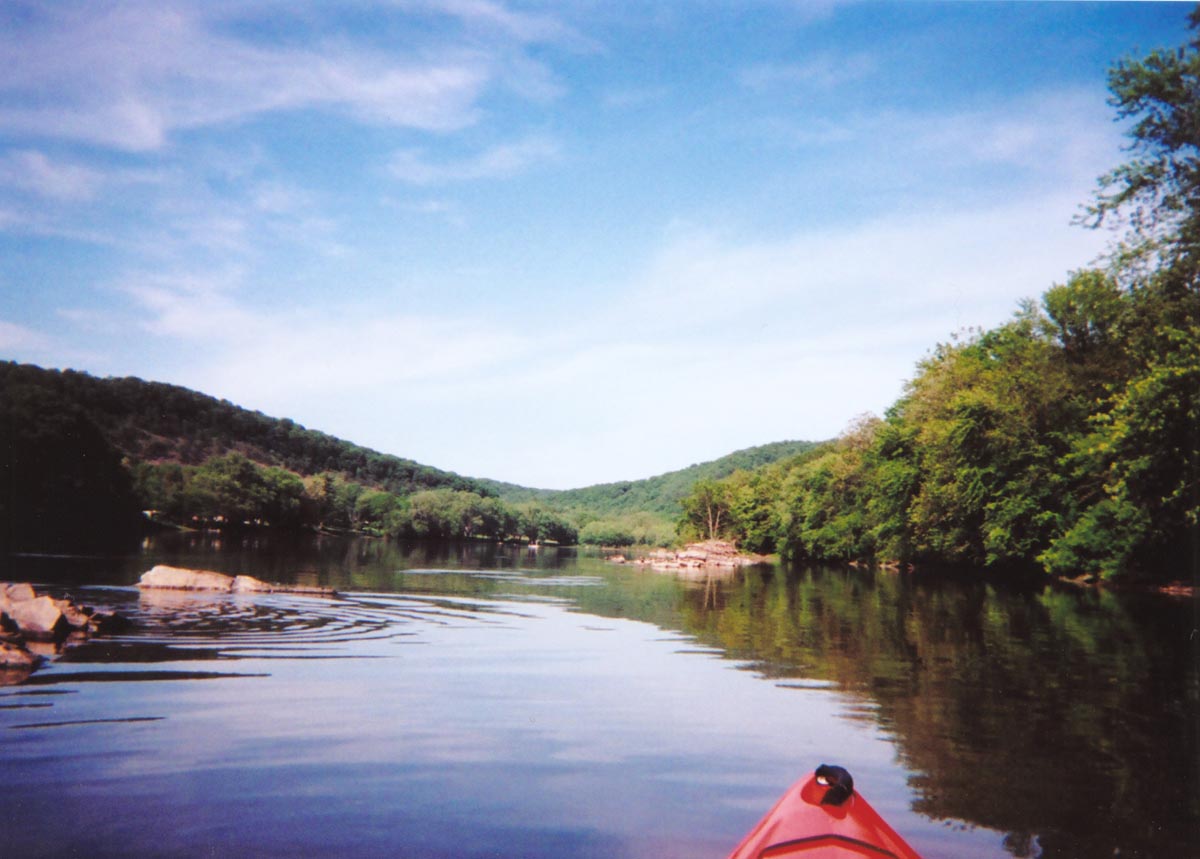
(661, 494)
(156, 422)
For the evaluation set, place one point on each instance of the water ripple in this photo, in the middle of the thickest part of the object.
(71, 723)
(187, 626)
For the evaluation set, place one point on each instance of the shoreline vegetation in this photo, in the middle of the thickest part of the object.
(1064, 442)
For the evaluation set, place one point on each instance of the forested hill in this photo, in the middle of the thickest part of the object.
(156, 422)
(660, 494)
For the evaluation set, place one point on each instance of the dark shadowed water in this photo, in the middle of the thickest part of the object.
(488, 701)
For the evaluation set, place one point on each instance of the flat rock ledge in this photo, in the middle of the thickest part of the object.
(163, 577)
(30, 623)
(710, 554)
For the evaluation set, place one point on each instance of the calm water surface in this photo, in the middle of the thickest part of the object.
(484, 701)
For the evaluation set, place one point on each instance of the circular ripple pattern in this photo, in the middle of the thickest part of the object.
(278, 621)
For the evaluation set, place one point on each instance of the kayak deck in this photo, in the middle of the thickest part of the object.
(822, 817)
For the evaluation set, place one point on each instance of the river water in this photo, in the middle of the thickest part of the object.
(491, 701)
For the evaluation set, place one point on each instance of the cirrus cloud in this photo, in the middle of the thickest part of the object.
(127, 75)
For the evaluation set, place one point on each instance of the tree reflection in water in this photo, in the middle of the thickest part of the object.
(1065, 718)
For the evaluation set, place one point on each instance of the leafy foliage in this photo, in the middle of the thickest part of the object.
(1154, 194)
(1047, 441)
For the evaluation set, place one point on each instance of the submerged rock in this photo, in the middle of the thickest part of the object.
(251, 585)
(79, 617)
(108, 623)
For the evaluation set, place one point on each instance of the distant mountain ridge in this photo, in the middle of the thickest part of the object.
(159, 422)
(659, 494)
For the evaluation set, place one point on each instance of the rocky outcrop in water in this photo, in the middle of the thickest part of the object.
(699, 556)
(182, 579)
(29, 621)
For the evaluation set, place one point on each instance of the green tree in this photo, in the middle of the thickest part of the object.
(283, 492)
(160, 487)
(1154, 194)
(605, 533)
(432, 514)
(227, 489)
(375, 511)
(1138, 470)
(707, 510)
(331, 501)
(827, 509)
(496, 519)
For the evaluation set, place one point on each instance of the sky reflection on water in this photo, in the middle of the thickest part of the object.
(480, 728)
(567, 707)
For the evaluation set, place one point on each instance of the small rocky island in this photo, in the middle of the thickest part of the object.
(707, 555)
(163, 577)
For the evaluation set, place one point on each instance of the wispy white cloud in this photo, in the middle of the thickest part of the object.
(1048, 138)
(31, 170)
(499, 161)
(1047, 131)
(278, 198)
(305, 348)
(527, 27)
(928, 265)
(189, 307)
(128, 74)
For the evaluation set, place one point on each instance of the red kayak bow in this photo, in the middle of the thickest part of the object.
(821, 817)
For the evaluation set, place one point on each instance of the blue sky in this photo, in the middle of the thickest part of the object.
(551, 243)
